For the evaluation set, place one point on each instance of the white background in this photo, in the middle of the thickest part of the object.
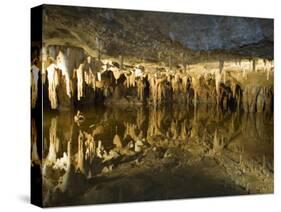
(15, 115)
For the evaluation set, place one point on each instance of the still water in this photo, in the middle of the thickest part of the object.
(114, 154)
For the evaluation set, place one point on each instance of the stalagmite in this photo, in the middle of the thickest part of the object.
(34, 84)
(117, 141)
(62, 163)
(53, 83)
(100, 150)
(138, 145)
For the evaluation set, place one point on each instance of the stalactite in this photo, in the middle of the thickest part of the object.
(132, 79)
(80, 81)
(99, 76)
(62, 65)
(224, 76)
(127, 82)
(175, 83)
(53, 83)
(44, 63)
(140, 86)
(121, 59)
(217, 82)
(184, 83)
(254, 65)
(34, 84)
(138, 72)
(116, 73)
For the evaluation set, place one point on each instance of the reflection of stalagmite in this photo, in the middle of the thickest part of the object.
(90, 147)
(174, 129)
(183, 131)
(62, 65)
(54, 141)
(79, 118)
(140, 117)
(34, 152)
(80, 153)
(63, 181)
(130, 131)
(195, 85)
(34, 84)
(218, 143)
(261, 100)
(154, 123)
(53, 83)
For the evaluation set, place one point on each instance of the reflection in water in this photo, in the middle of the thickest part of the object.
(116, 155)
